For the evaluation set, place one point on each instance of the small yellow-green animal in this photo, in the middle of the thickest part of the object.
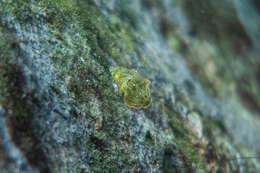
(135, 87)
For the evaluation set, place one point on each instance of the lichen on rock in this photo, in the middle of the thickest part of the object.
(58, 108)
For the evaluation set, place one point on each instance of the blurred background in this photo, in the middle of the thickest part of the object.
(60, 110)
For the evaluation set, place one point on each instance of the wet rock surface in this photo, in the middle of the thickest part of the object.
(60, 110)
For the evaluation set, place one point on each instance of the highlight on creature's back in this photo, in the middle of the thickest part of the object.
(133, 85)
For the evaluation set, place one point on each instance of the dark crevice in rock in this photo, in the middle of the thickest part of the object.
(20, 119)
(99, 144)
(257, 4)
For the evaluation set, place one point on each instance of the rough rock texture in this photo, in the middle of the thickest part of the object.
(60, 111)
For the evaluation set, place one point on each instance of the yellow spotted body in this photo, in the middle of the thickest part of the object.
(134, 86)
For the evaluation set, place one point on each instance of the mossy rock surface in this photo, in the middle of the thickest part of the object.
(60, 110)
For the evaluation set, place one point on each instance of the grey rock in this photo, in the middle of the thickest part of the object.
(60, 110)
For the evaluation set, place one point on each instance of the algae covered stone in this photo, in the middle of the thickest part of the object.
(133, 85)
